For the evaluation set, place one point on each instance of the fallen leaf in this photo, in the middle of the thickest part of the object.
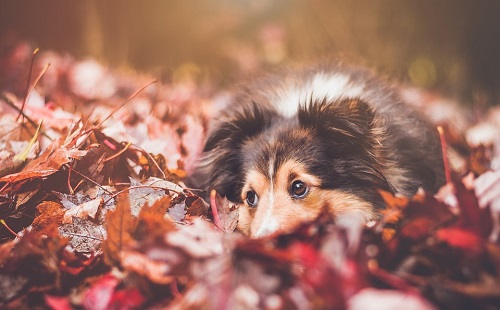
(58, 303)
(152, 220)
(48, 163)
(120, 226)
(225, 213)
(86, 210)
(100, 294)
(50, 213)
(84, 235)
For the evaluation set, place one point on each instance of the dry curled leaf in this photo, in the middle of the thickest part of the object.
(225, 213)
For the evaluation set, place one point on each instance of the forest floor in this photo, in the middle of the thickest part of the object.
(94, 212)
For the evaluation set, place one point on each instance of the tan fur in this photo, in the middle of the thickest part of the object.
(277, 210)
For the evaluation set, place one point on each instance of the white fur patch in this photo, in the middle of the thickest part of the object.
(321, 86)
(269, 224)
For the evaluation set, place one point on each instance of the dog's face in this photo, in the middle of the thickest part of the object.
(287, 194)
(284, 171)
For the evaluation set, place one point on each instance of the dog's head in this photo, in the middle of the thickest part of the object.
(283, 171)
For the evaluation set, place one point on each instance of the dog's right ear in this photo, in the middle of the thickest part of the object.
(237, 127)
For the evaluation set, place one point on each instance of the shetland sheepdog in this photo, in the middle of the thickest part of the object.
(294, 143)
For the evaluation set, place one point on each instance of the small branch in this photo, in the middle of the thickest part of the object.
(140, 186)
(118, 153)
(91, 181)
(126, 101)
(445, 154)
(8, 228)
(29, 81)
(215, 213)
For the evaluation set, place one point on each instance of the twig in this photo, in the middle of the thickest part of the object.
(215, 213)
(28, 82)
(31, 89)
(445, 154)
(152, 159)
(140, 186)
(91, 181)
(8, 228)
(118, 153)
(126, 101)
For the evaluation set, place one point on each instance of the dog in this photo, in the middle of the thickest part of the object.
(326, 137)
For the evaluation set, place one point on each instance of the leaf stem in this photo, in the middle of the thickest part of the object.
(8, 228)
(445, 154)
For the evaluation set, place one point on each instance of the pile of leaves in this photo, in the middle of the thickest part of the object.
(95, 215)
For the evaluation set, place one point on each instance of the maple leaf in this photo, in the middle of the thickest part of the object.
(472, 217)
(49, 213)
(120, 226)
(152, 221)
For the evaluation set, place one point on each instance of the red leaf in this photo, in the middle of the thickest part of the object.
(126, 299)
(58, 303)
(472, 217)
(460, 238)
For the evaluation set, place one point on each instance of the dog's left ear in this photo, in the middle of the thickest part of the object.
(353, 134)
(348, 120)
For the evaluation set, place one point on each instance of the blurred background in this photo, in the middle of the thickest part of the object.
(445, 45)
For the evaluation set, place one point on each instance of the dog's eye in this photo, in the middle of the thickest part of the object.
(252, 198)
(299, 189)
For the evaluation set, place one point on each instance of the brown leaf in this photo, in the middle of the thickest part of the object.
(225, 214)
(196, 206)
(152, 220)
(50, 213)
(48, 163)
(120, 225)
(33, 263)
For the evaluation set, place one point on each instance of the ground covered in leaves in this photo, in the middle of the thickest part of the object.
(95, 215)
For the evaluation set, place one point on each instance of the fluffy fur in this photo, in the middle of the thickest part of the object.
(339, 129)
